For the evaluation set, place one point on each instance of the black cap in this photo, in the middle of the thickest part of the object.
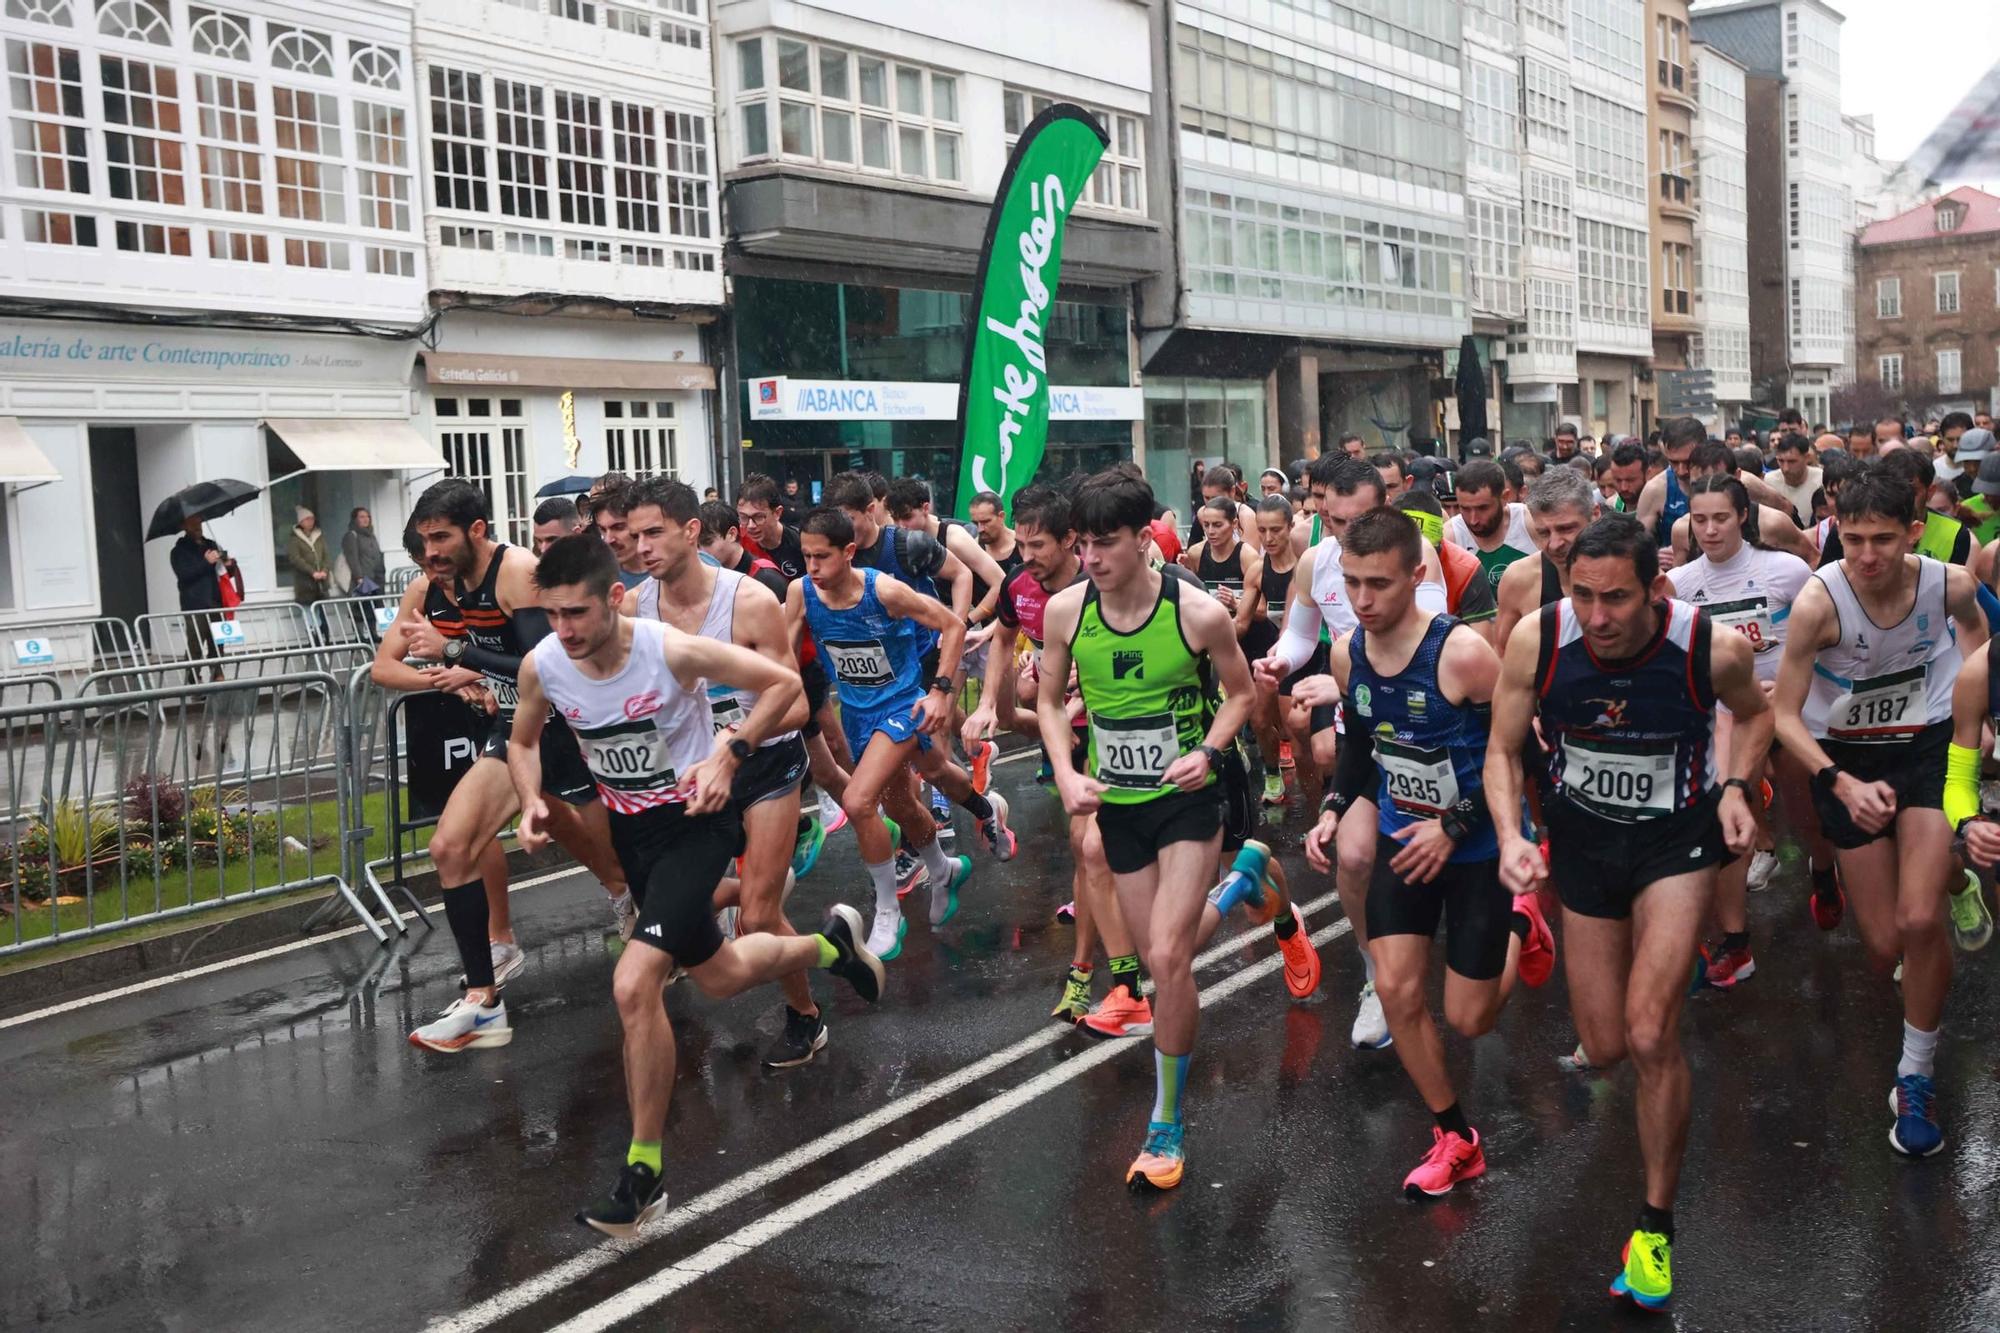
(1477, 447)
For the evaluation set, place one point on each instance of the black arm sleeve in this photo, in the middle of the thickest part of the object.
(531, 626)
(1355, 774)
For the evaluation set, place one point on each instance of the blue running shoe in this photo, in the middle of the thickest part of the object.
(1916, 1132)
(805, 853)
(944, 906)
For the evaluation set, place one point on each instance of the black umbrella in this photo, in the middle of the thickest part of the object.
(204, 499)
(1471, 388)
(564, 486)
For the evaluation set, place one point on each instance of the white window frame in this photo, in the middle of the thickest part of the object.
(642, 437)
(1888, 298)
(1122, 170)
(1889, 370)
(1950, 381)
(1947, 293)
(898, 125)
(489, 448)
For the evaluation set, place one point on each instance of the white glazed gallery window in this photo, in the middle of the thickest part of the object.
(485, 442)
(1888, 298)
(1119, 183)
(1948, 370)
(1889, 369)
(640, 438)
(812, 102)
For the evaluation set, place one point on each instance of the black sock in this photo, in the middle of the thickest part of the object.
(1657, 1219)
(1452, 1121)
(1822, 878)
(1125, 972)
(465, 912)
(978, 806)
(1284, 925)
(1735, 939)
(1518, 923)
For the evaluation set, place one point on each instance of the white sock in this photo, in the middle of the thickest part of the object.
(1919, 1051)
(884, 875)
(936, 863)
(1368, 966)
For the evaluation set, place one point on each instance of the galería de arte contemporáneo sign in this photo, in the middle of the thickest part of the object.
(1004, 411)
(781, 398)
(48, 349)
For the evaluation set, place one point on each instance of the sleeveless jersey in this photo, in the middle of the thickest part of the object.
(1884, 684)
(1430, 751)
(1277, 592)
(639, 730)
(1227, 571)
(874, 657)
(1630, 740)
(1673, 511)
(1024, 603)
(1145, 690)
(1750, 593)
(1940, 537)
(488, 626)
(727, 705)
(1517, 543)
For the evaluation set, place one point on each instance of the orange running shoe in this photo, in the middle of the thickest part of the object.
(1160, 1161)
(1538, 950)
(982, 766)
(1301, 958)
(1120, 1014)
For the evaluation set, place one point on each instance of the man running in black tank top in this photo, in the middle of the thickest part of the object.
(497, 623)
(1270, 593)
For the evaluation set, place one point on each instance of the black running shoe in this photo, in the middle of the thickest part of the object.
(802, 1038)
(855, 965)
(637, 1198)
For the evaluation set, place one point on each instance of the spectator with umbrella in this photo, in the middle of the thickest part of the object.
(206, 576)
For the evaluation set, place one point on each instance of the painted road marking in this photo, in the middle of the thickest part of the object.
(682, 1273)
(517, 1298)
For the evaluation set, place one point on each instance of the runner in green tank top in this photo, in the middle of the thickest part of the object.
(1143, 649)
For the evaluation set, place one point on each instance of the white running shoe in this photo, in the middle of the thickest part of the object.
(831, 816)
(508, 961)
(463, 1026)
(625, 915)
(885, 933)
(1763, 864)
(725, 920)
(999, 839)
(1371, 1028)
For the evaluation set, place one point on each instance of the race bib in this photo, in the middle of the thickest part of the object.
(505, 692)
(1134, 751)
(865, 662)
(727, 711)
(1750, 617)
(1421, 782)
(628, 760)
(1625, 784)
(1881, 709)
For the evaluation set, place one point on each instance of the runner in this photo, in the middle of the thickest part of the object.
(1864, 698)
(1663, 502)
(1769, 524)
(1747, 587)
(634, 694)
(1627, 474)
(760, 518)
(1419, 687)
(609, 508)
(1975, 707)
(1142, 646)
(486, 624)
(1487, 525)
(1560, 506)
(1275, 711)
(556, 518)
(869, 627)
(989, 522)
(1468, 592)
(1624, 683)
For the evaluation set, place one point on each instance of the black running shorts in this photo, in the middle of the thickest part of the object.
(769, 773)
(1601, 866)
(1914, 769)
(1466, 895)
(564, 774)
(1133, 834)
(813, 676)
(673, 861)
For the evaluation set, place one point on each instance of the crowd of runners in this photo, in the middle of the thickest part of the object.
(1533, 700)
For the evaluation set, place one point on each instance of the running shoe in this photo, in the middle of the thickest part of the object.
(1045, 776)
(625, 913)
(993, 830)
(637, 1198)
(1971, 922)
(1538, 951)
(1120, 1014)
(1160, 1161)
(1301, 958)
(885, 934)
(1648, 1279)
(805, 853)
(804, 1036)
(1726, 967)
(1916, 1132)
(944, 906)
(1763, 864)
(1371, 1027)
(725, 921)
(910, 872)
(1067, 912)
(857, 964)
(940, 807)
(1285, 760)
(982, 766)
(1827, 911)
(1074, 1006)
(1450, 1160)
(464, 1025)
(831, 814)
(1274, 789)
(508, 960)
(1576, 1062)
(1267, 896)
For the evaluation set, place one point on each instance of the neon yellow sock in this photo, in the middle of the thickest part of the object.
(646, 1153)
(828, 955)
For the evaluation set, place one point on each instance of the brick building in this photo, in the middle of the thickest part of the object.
(1927, 298)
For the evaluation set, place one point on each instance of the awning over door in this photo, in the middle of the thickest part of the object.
(21, 459)
(357, 444)
(485, 370)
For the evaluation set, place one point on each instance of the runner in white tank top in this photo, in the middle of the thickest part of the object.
(727, 706)
(1879, 685)
(641, 731)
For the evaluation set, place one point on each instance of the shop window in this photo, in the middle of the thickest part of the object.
(640, 438)
(485, 441)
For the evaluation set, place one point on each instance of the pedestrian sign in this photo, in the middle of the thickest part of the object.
(34, 652)
(228, 633)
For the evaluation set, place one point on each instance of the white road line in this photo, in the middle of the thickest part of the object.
(683, 1273)
(517, 1298)
(208, 969)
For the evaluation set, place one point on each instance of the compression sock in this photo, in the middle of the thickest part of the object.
(884, 876)
(978, 806)
(1235, 887)
(1919, 1051)
(1822, 880)
(1520, 925)
(1733, 940)
(828, 955)
(644, 1154)
(1452, 1121)
(1170, 1073)
(466, 913)
(936, 862)
(1660, 1220)
(1125, 972)
(1284, 925)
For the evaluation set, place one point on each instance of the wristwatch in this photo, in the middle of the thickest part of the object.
(941, 683)
(454, 649)
(1740, 784)
(1214, 757)
(742, 749)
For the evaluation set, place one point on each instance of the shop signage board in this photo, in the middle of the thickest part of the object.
(782, 398)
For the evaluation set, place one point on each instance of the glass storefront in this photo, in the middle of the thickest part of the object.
(843, 331)
(1211, 420)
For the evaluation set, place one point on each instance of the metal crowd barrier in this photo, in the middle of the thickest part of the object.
(353, 620)
(399, 580)
(68, 650)
(127, 807)
(176, 636)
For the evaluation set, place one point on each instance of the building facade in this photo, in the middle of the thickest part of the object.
(1801, 298)
(1928, 283)
(1673, 187)
(210, 241)
(1721, 340)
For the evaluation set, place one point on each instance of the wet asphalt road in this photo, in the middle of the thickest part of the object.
(259, 1148)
